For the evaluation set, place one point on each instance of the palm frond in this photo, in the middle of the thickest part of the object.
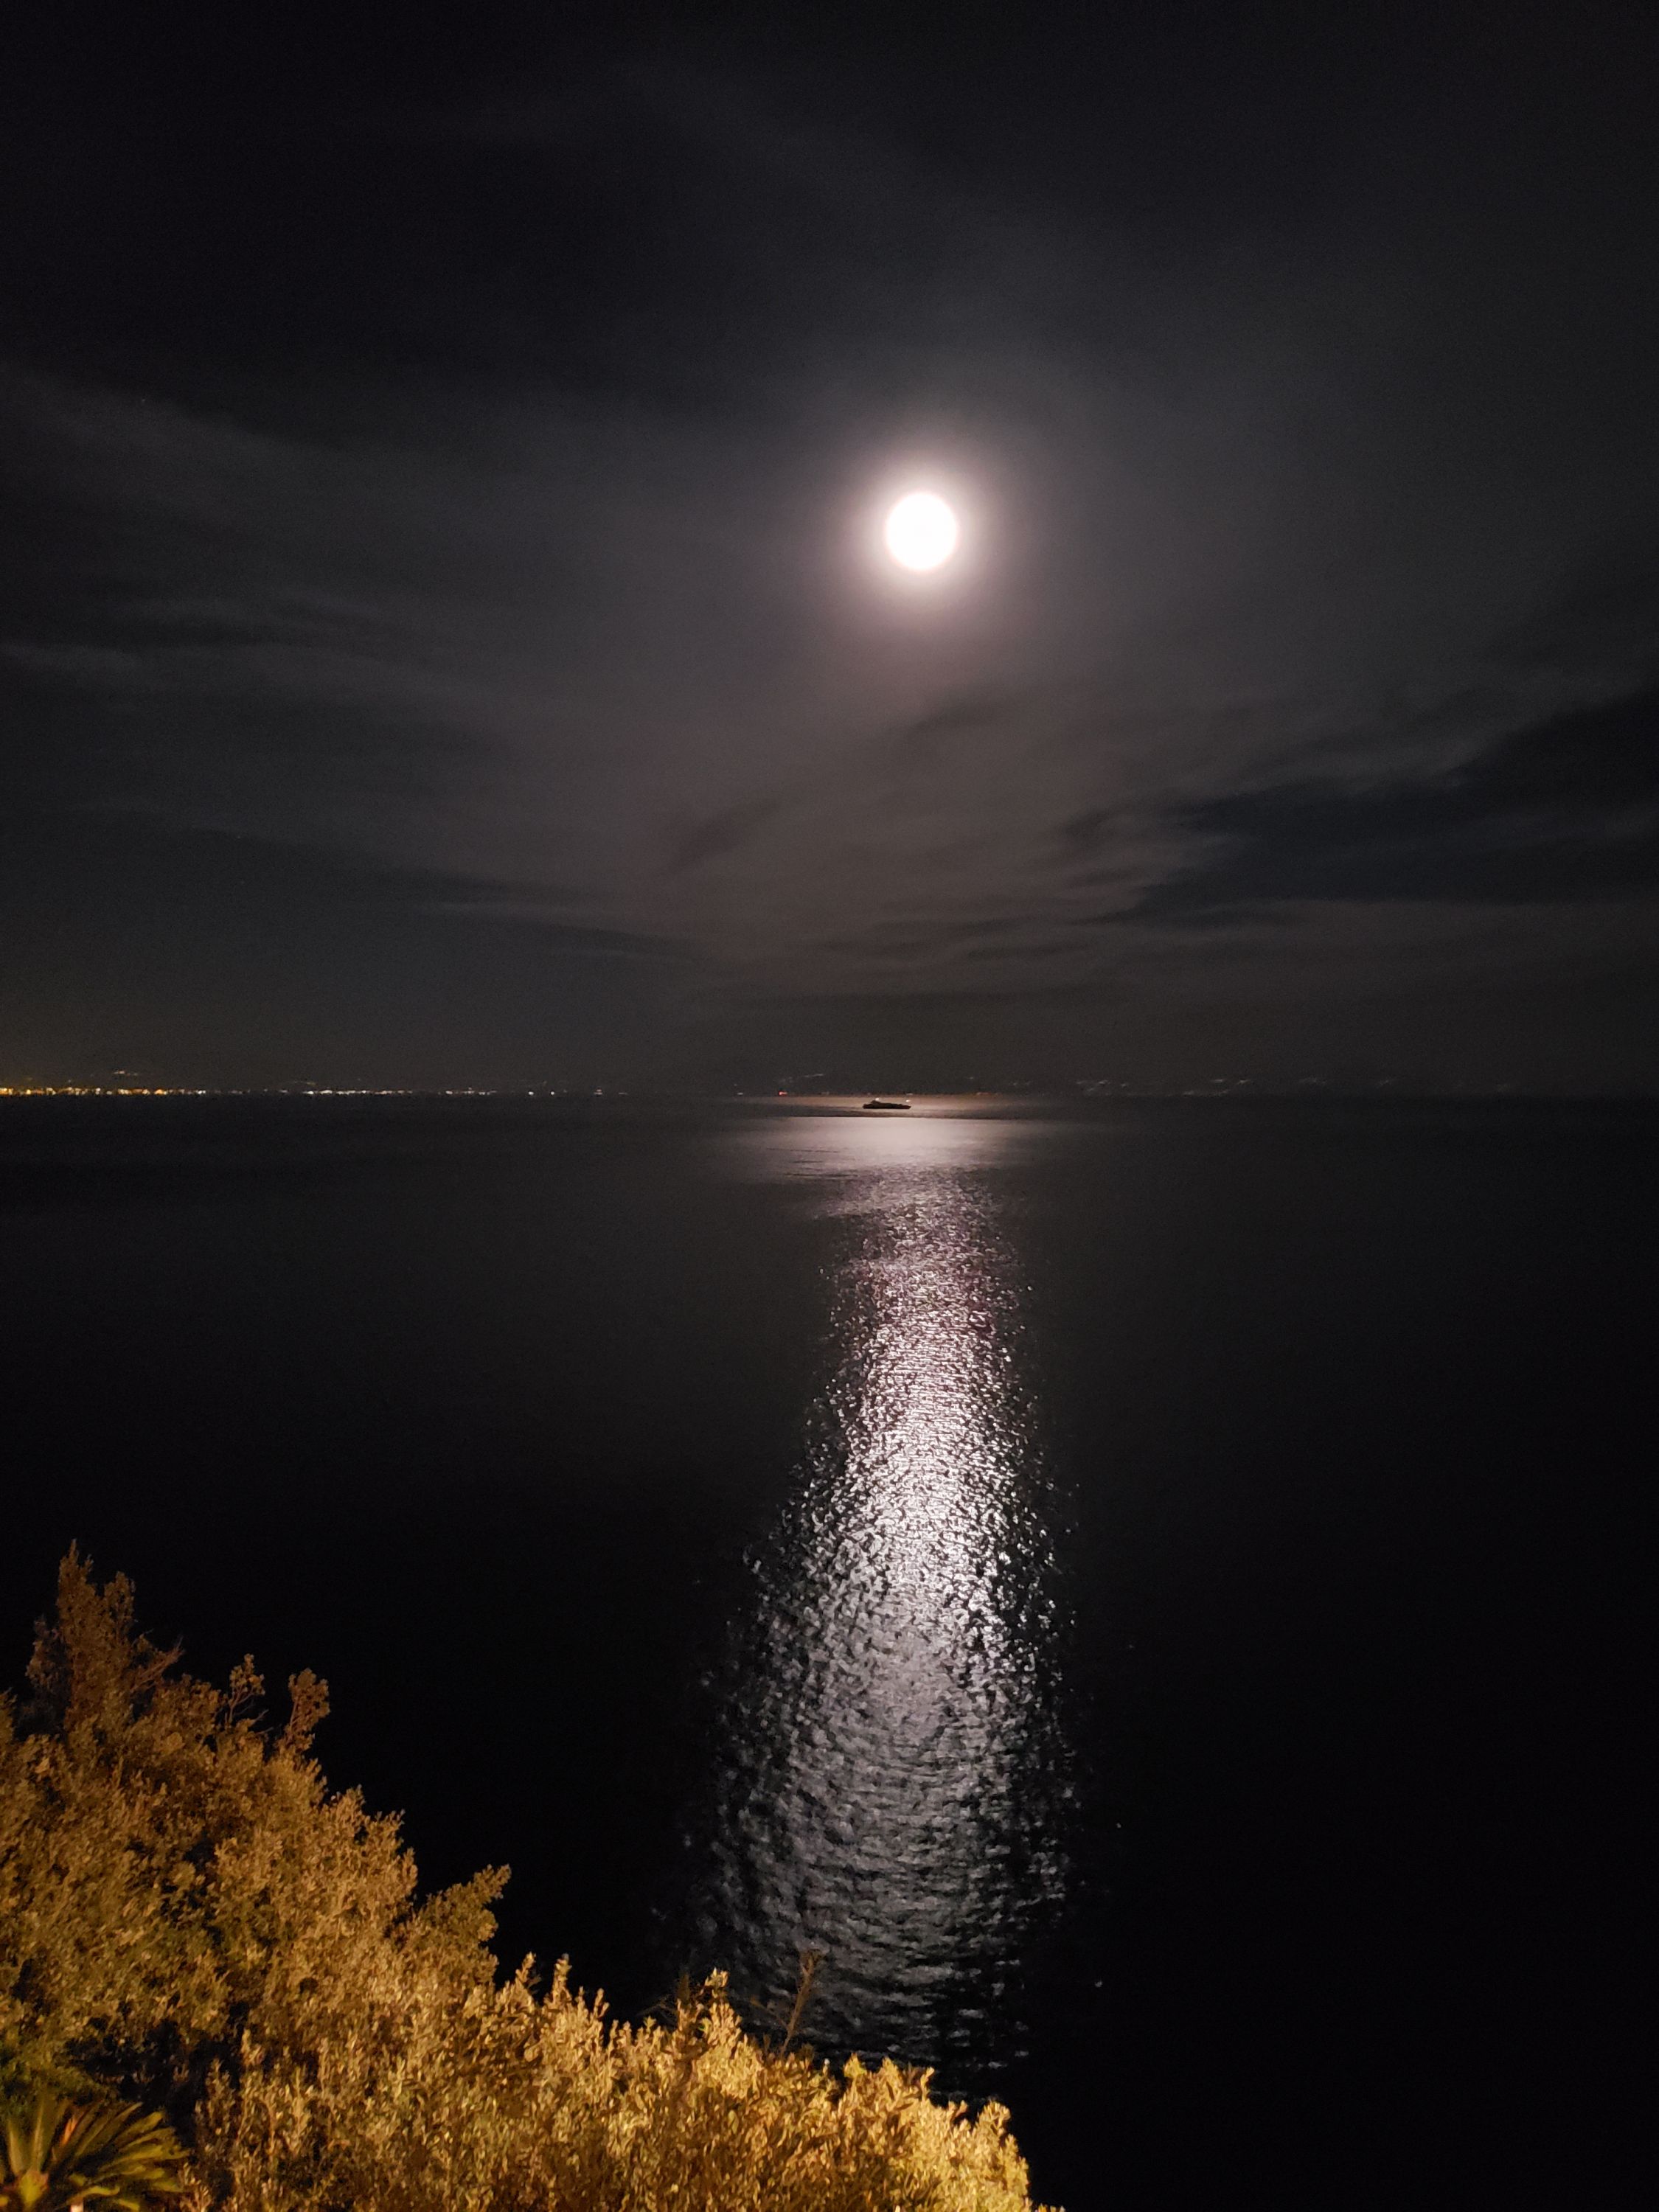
(58, 2155)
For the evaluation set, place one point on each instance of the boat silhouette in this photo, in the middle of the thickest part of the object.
(886, 1106)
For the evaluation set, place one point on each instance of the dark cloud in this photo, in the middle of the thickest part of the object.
(726, 832)
(1567, 808)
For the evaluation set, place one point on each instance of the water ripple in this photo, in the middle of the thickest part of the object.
(890, 1788)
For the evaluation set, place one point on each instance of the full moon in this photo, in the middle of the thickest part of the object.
(922, 530)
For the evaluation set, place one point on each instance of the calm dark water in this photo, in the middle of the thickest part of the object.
(1158, 1598)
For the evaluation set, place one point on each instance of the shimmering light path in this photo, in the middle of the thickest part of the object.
(892, 1787)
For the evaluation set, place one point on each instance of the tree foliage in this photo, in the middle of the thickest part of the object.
(191, 1917)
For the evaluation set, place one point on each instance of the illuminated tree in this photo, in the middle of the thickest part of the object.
(191, 1917)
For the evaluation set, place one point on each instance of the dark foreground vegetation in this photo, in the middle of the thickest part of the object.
(192, 1922)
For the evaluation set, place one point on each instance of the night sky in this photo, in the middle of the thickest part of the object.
(443, 634)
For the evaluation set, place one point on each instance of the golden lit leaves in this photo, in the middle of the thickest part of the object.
(189, 1914)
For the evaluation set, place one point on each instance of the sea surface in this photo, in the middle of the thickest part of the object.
(1155, 1595)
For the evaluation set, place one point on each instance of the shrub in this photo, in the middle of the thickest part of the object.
(190, 1917)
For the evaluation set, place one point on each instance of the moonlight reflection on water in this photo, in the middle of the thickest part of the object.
(890, 1788)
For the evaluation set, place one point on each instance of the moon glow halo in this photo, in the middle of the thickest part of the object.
(922, 530)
